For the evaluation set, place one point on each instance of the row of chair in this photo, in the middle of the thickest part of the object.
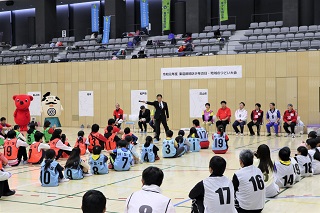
(230, 27)
(282, 30)
(90, 55)
(285, 45)
(269, 24)
(31, 59)
(169, 51)
(281, 37)
(30, 52)
(64, 39)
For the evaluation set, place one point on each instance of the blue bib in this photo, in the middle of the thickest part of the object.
(195, 144)
(74, 174)
(219, 143)
(147, 154)
(123, 160)
(168, 149)
(98, 166)
(49, 177)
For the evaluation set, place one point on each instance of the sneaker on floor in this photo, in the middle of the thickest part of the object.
(7, 166)
(157, 158)
(237, 134)
(287, 135)
(293, 135)
(64, 180)
(241, 134)
(277, 135)
(110, 166)
(24, 162)
(251, 134)
(87, 174)
(269, 134)
(10, 193)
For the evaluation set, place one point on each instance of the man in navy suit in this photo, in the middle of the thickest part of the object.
(161, 114)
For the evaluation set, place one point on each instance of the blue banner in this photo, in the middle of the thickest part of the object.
(144, 13)
(95, 17)
(106, 29)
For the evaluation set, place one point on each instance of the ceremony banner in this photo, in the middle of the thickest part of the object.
(95, 17)
(165, 15)
(201, 72)
(106, 29)
(223, 10)
(144, 13)
(86, 103)
(136, 96)
(35, 105)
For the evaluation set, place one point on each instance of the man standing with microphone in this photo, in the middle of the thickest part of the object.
(161, 114)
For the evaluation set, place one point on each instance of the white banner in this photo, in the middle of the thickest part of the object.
(198, 98)
(86, 107)
(201, 72)
(35, 105)
(137, 95)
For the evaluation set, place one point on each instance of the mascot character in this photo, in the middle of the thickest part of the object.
(22, 114)
(51, 109)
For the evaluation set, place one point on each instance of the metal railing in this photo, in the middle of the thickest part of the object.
(265, 17)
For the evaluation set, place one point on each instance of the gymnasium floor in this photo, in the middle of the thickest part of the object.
(180, 176)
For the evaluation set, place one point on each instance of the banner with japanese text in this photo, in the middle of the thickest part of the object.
(95, 17)
(201, 72)
(106, 29)
(144, 13)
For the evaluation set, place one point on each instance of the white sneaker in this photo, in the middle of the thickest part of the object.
(293, 135)
(87, 174)
(241, 134)
(237, 134)
(64, 180)
(287, 135)
(7, 166)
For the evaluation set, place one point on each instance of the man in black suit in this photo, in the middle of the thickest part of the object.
(144, 118)
(161, 114)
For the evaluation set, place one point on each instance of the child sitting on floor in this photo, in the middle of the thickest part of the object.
(121, 158)
(132, 149)
(170, 147)
(37, 149)
(82, 143)
(220, 141)
(194, 140)
(149, 151)
(98, 162)
(182, 141)
(76, 168)
(127, 132)
(15, 149)
(51, 171)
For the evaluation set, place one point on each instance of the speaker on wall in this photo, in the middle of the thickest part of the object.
(9, 3)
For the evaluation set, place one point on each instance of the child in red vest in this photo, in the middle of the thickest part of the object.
(57, 145)
(127, 132)
(82, 143)
(37, 149)
(15, 149)
(95, 138)
(112, 139)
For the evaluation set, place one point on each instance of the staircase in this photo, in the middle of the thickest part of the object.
(232, 43)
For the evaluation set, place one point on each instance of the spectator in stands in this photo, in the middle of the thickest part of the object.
(94, 35)
(172, 39)
(188, 39)
(59, 44)
(52, 44)
(141, 54)
(217, 34)
(134, 57)
(137, 38)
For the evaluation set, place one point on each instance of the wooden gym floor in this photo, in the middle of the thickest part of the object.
(181, 175)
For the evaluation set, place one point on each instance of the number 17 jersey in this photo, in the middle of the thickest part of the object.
(218, 195)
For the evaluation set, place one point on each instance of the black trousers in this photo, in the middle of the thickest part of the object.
(240, 210)
(236, 124)
(4, 187)
(197, 206)
(22, 153)
(144, 124)
(251, 124)
(60, 152)
(162, 120)
(223, 123)
(292, 127)
(151, 123)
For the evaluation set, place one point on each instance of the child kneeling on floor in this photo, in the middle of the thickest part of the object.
(98, 162)
(51, 171)
(76, 168)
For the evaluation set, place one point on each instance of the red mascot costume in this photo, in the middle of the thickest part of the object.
(22, 113)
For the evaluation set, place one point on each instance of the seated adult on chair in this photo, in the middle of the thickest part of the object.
(118, 115)
(144, 118)
(223, 115)
(273, 119)
(207, 117)
(256, 119)
(241, 119)
(290, 120)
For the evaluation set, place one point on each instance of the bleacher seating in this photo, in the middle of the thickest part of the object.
(272, 37)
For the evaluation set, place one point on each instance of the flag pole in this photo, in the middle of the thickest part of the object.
(219, 13)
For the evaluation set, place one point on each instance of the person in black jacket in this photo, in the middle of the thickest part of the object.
(161, 114)
(144, 118)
